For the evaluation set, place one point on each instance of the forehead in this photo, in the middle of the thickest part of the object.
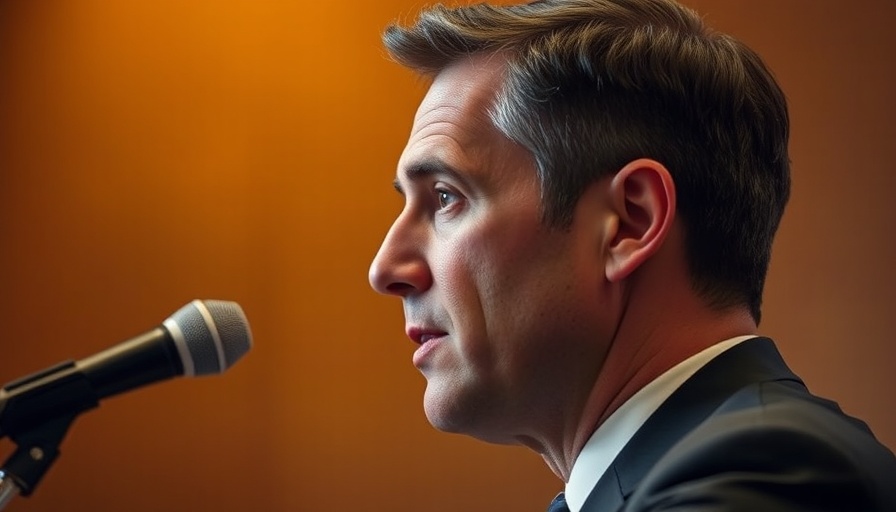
(466, 89)
(452, 126)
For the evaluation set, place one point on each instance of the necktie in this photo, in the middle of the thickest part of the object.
(559, 504)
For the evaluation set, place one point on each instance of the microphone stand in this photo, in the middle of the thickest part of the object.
(35, 413)
(37, 449)
(8, 490)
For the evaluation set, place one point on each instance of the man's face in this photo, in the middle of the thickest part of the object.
(505, 309)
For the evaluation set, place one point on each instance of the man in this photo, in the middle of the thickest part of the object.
(591, 191)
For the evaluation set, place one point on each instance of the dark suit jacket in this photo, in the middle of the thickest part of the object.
(744, 434)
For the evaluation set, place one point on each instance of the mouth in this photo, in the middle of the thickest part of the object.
(422, 335)
(428, 340)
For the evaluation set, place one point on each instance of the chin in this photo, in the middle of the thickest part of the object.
(441, 415)
(446, 408)
(467, 419)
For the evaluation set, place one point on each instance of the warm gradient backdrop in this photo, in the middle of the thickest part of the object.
(152, 152)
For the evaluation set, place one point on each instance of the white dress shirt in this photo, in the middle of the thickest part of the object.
(613, 434)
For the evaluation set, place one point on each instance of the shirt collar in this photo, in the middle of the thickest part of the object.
(613, 434)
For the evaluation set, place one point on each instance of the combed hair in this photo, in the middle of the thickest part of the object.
(591, 85)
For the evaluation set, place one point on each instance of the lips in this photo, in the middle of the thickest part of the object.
(428, 339)
(421, 335)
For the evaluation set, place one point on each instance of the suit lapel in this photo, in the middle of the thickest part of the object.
(755, 360)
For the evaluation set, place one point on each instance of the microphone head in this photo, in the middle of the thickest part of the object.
(210, 335)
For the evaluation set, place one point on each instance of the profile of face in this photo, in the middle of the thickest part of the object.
(505, 310)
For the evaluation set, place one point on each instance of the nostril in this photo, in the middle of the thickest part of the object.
(399, 288)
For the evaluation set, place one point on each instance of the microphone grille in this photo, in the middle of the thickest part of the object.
(210, 335)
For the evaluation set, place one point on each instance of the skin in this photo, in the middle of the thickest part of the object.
(529, 334)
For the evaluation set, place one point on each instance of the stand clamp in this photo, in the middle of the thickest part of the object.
(36, 451)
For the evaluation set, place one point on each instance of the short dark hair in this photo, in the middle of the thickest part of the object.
(591, 85)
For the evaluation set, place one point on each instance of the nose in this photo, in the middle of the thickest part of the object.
(400, 267)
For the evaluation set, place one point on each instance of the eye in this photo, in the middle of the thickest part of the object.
(445, 198)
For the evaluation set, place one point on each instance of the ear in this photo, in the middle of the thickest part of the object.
(642, 197)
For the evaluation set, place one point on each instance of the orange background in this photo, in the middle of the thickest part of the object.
(152, 152)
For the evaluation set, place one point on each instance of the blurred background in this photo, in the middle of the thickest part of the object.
(153, 152)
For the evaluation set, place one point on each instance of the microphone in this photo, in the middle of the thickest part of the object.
(204, 337)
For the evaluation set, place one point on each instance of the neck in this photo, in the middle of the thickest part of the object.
(656, 331)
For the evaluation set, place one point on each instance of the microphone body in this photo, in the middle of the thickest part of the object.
(201, 338)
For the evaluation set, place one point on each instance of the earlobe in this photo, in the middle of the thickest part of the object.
(642, 196)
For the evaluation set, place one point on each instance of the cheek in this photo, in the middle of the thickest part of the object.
(458, 268)
(496, 279)
(476, 267)
(471, 275)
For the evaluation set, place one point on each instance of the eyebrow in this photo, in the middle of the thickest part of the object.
(426, 169)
